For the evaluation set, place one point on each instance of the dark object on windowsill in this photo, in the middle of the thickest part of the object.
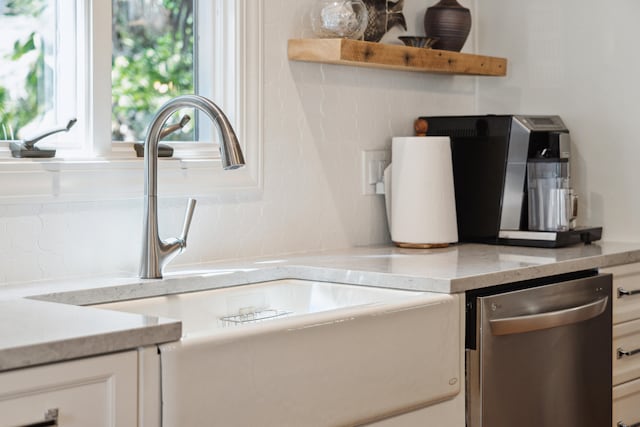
(164, 150)
(26, 149)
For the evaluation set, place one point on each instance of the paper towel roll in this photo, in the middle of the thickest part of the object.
(423, 208)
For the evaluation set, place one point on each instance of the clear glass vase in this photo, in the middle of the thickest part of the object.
(339, 18)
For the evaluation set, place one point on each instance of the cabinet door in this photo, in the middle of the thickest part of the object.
(98, 391)
(626, 337)
(626, 404)
(626, 277)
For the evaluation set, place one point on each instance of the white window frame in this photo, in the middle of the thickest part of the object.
(105, 170)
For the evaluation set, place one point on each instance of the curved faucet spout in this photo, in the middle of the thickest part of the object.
(156, 253)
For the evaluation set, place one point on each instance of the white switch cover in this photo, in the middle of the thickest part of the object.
(374, 163)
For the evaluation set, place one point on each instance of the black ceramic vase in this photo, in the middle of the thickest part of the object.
(450, 23)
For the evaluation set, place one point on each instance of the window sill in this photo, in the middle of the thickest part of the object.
(121, 175)
(118, 178)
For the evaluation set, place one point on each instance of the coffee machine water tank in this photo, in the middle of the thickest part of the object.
(550, 197)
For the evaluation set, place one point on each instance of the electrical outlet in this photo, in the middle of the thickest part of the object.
(374, 162)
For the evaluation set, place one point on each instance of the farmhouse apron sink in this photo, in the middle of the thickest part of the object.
(292, 353)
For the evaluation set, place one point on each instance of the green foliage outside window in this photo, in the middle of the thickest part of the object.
(152, 62)
(24, 7)
(19, 112)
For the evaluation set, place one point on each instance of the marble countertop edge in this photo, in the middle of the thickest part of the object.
(87, 346)
(322, 267)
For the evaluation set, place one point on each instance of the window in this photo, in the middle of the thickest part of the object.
(153, 61)
(37, 79)
(68, 46)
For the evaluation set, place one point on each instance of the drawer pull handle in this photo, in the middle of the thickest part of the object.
(622, 292)
(50, 419)
(622, 353)
(621, 424)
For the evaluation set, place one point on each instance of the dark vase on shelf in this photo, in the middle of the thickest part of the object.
(450, 23)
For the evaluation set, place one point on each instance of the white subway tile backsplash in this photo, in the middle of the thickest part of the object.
(317, 119)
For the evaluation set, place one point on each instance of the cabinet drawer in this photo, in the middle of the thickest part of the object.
(627, 277)
(98, 391)
(626, 403)
(626, 336)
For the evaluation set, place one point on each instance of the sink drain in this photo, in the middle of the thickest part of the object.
(253, 316)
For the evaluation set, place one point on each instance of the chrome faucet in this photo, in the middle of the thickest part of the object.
(156, 253)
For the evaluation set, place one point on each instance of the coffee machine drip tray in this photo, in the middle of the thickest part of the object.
(549, 239)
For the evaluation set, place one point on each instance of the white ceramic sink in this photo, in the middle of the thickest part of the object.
(300, 353)
(214, 310)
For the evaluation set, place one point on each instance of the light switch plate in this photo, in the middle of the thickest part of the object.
(374, 162)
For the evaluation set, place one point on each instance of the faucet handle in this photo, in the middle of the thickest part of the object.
(173, 128)
(188, 216)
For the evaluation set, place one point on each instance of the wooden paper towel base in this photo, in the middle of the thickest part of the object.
(421, 245)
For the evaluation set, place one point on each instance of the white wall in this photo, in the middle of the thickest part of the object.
(577, 59)
(318, 118)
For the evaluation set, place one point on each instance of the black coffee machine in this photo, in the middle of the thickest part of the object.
(500, 163)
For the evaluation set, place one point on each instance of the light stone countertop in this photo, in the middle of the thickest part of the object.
(456, 269)
(50, 332)
(38, 332)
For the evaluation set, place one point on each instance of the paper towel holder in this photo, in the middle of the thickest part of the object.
(387, 202)
(434, 203)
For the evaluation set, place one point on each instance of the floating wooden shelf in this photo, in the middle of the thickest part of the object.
(378, 55)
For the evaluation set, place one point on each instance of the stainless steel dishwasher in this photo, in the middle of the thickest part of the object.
(539, 353)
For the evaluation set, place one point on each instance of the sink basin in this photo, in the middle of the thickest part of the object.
(215, 310)
(302, 353)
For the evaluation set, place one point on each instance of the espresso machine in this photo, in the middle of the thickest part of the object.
(512, 179)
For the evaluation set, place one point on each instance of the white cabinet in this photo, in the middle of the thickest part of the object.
(626, 339)
(97, 391)
(626, 403)
(449, 413)
(626, 278)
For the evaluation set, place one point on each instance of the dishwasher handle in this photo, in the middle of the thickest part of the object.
(552, 319)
